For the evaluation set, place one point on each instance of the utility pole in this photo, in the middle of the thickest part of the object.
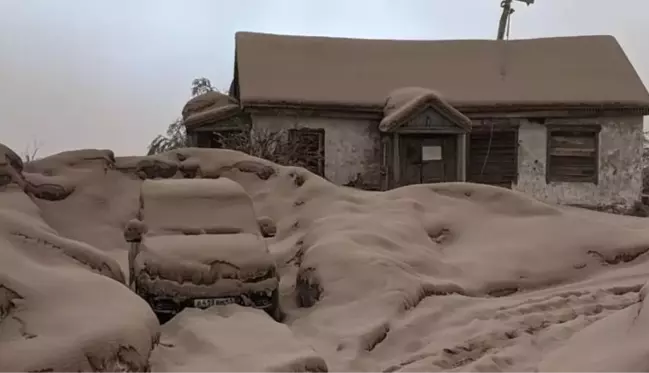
(507, 12)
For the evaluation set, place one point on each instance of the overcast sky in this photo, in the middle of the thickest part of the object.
(113, 73)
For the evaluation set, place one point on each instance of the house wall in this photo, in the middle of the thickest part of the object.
(620, 164)
(351, 145)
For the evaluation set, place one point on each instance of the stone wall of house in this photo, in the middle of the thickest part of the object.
(351, 145)
(620, 160)
(352, 148)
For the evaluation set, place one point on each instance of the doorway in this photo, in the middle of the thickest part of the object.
(428, 159)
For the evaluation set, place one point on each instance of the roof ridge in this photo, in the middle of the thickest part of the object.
(244, 34)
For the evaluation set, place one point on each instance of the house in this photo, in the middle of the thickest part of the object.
(558, 118)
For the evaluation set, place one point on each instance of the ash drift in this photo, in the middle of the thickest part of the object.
(438, 277)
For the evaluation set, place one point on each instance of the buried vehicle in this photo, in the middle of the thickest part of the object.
(198, 243)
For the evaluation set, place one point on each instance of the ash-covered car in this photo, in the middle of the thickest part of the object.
(198, 243)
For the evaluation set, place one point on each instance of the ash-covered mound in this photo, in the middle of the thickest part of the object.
(64, 305)
(437, 277)
(240, 339)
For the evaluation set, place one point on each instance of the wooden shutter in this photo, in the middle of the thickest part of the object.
(493, 157)
(573, 155)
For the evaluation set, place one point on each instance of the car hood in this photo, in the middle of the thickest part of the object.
(243, 250)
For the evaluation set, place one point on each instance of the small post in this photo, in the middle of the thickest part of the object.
(504, 17)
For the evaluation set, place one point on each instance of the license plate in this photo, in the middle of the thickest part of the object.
(209, 302)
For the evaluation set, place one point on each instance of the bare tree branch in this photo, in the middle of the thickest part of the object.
(176, 137)
(275, 146)
(31, 150)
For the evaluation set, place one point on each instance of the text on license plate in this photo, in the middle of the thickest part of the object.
(209, 302)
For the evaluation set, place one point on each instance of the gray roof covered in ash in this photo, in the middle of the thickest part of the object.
(591, 71)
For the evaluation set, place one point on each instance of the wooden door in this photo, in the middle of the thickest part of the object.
(427, 159)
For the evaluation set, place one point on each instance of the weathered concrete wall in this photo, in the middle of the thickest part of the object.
(620, 160)
(351, 145)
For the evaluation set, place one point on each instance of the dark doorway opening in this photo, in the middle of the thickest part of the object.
(428, 159)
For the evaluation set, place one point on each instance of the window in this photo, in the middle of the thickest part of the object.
(493, 157)
(308, 151)
(573, 154)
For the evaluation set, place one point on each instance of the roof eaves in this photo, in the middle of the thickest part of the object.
(637, 108)
(208, 116)
(622, 108)
(418, 105)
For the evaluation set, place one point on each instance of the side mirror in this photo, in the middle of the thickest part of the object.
(134, 230)
(267, 226)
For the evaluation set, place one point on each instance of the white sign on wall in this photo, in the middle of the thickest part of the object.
(431, 153)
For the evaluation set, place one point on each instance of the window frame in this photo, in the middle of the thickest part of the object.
(295, 133)
(496, 130)
(585, 131)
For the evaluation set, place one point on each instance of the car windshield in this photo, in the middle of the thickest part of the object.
(190, 206)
